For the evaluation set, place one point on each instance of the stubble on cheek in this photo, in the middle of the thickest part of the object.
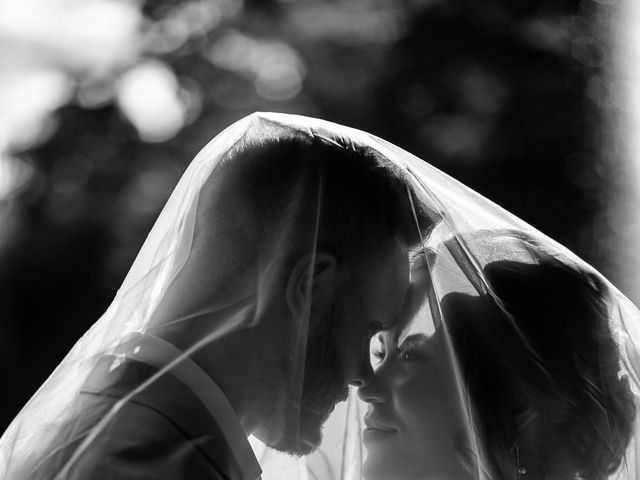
(324, 382)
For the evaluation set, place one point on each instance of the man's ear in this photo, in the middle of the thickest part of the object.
(312, 280)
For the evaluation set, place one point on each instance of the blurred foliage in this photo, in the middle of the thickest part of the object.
(505, 96)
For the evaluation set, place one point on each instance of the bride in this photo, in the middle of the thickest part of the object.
(521, 382)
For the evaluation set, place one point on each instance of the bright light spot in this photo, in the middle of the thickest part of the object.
(278, 82)
(92, 35)
(232, 52)
(630, 84)
(633, 72)
(27, 100)
(149, 96)
(14, 174)
(624, 100)
(44, 42)
(275, 68)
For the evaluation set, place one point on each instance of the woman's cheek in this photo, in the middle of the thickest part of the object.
(417, 389)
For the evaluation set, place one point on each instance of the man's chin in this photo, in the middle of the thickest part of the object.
(298, 447)
(304, 441)
(311, 428)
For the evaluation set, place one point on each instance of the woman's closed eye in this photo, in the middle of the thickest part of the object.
(412, 355)
(414, 348)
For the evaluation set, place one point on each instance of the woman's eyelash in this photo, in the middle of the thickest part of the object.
(407, 356)
(414, 348)
(412, 355)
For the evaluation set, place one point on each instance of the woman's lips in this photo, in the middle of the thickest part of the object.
(376, 430)
(371, 434)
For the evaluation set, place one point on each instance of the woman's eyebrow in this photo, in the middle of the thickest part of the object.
(413, 340)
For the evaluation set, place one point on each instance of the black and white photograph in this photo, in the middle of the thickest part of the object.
(319, 240)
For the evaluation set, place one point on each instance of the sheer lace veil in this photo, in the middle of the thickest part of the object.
(276, 232)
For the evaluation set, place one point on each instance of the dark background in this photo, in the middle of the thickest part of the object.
(508, 97)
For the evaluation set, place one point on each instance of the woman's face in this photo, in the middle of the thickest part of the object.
(414, 423)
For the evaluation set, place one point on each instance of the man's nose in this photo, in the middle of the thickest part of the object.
(363, 375)
(374, 391)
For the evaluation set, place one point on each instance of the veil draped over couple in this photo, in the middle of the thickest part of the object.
(316, 303)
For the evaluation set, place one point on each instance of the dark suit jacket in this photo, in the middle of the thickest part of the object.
(162, 432)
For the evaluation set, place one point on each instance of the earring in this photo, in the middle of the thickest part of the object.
(520, 469)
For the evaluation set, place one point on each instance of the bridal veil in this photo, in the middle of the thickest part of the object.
(534, 343)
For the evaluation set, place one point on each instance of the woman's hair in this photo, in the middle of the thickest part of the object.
(542, 347)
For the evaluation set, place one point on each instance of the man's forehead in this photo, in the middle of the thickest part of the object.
(385, 262)
(392, 253)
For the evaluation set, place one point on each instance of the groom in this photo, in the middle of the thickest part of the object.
(299, 255)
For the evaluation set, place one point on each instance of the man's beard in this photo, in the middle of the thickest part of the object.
(323, 386)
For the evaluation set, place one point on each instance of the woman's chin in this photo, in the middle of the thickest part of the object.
(380, 462)
(375, 469)
(384, 468)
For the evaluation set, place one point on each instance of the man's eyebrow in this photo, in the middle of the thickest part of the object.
(397, 317)
(388, 326)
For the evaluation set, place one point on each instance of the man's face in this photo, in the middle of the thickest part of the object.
(369, 298)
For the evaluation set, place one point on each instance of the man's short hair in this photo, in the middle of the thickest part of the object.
(337, 194)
